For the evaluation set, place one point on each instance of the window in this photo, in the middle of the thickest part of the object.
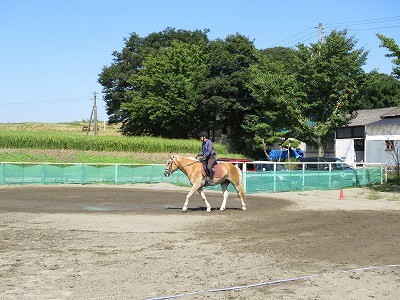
(359, 144)
(350, 132)
(389, 145)
(359, 131)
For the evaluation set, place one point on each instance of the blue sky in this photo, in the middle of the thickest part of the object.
(52, 51)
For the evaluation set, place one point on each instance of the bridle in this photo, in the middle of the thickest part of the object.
(168, 170)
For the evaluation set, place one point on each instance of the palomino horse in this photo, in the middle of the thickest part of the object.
(193, 168)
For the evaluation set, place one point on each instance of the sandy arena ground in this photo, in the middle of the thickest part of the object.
(133, 242)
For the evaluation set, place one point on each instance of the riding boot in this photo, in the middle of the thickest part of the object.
(211, 177)
(207, 176)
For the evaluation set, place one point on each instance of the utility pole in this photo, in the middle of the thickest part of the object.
(320, 30)
(94, 116)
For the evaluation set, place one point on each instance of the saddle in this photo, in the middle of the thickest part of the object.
(217, 170)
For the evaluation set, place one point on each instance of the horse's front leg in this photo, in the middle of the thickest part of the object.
(194, 188)
(203, 195)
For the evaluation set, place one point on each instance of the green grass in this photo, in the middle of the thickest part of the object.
(72, 156)
(387, 191)
(73, 141)
(71, 137)
(373, 195)
(65, 142)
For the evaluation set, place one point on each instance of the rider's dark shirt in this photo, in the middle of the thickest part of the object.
(207, 149)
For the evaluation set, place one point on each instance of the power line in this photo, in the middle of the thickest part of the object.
(374, 28)
(309, 36)
(314, 36)
(368, 21)
(302, 39)
(292, 36)
(44, 102)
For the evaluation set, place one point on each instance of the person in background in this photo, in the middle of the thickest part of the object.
(208, 155)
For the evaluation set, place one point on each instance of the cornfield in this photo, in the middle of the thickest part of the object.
(74, 141)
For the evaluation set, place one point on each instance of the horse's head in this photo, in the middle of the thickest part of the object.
(171, 166)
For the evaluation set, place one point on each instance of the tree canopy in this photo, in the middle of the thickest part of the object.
(394, 49)
(226, 97)
(128, 81)
(379, 90)
(175, 83)
(165, 99)
(320, 96)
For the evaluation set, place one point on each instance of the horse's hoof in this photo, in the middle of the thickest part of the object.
(184, 208)
(209, 209)
(222, 208)
(244, 208)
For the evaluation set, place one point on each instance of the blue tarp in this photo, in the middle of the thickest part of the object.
(279, 155)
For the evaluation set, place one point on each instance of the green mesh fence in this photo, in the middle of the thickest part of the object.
(25, 173)
(255, 181)
(284, 181)
(283, 177)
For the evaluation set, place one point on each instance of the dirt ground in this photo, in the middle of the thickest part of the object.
(134, 242)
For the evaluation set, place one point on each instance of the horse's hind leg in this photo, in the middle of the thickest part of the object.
(243, 203)
(241, 194)
(224, 188)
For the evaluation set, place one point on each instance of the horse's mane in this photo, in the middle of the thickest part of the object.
(186, 157)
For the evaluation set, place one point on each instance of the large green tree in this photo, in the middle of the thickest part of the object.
(226, 96)
(274, 85)
(379, 90)
(321, 95)
(165, 99)
(283, 55)
(175, 82)
(394, 49)
(119, 80)
(275, 68)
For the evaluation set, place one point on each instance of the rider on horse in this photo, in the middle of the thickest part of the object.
(208, 155)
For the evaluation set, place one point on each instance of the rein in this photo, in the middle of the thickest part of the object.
(178, 165)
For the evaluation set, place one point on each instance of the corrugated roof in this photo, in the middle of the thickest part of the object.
(386, 121)
(393, 113)
(368, 116)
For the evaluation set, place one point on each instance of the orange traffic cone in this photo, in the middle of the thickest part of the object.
(341, 194)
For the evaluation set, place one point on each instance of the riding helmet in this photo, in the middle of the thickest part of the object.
(203, 134)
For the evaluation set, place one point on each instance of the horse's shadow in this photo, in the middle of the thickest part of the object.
(203, 208)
